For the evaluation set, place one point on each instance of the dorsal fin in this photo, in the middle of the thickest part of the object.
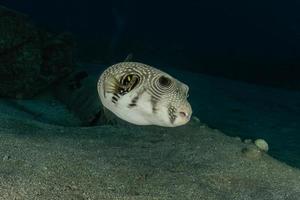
(128, 58)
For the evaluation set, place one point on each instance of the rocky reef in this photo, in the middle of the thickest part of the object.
(31, 59)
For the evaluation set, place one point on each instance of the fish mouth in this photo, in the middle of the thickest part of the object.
(183, 114)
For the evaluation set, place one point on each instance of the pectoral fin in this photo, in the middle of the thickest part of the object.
(111, 85)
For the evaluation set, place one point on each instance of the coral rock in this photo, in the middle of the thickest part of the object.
(30, 59)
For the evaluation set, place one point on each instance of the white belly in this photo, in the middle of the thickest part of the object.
(141, 114)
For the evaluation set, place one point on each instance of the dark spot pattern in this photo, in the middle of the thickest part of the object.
(132, 105)
(154, 100)
(116, 95)
(114, 99)
(164, 81)
(171, 112)
(134, 101)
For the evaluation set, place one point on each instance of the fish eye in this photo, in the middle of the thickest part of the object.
(164, 81)
(127, 79)
(129, 82)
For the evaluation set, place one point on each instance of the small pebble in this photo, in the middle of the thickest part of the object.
(262, 145)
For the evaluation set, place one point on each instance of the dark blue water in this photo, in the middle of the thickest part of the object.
(253, 41)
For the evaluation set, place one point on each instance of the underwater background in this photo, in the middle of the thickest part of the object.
(251, 41)
(240, 59)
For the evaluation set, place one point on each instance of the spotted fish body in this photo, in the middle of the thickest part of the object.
(143, 95)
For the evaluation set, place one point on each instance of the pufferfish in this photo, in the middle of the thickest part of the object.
(143, 95)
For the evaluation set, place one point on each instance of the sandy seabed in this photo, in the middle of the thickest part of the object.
(42, 161)
(44, 155)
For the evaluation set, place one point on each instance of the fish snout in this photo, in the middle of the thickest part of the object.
(185, 112)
